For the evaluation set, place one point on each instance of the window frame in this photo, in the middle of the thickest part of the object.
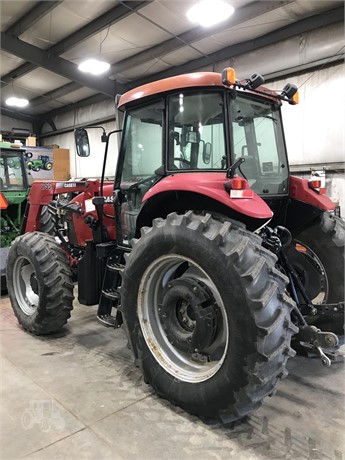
(195, 91)
(278, 134)
(160, 102)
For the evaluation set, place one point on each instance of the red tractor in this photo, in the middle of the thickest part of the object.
(215, 260)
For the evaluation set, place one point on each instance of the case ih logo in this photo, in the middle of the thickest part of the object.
(70, 184)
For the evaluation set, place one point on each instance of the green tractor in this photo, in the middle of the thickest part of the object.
(14, 189)
(42, 162)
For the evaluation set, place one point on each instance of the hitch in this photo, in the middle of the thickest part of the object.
(322, 343)
(311, 338)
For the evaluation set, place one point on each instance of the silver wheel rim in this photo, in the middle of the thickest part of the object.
(179, 363)
(314, 259)
(24, 276)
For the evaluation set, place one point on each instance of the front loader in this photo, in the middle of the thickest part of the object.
(214, 259)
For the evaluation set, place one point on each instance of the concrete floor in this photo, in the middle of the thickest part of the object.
(77, 395)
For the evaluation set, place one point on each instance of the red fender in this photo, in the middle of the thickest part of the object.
(299, 190)
(212, 186)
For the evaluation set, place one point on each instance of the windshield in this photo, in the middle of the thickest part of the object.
(257, 136)
(11, 174)
(196, 132)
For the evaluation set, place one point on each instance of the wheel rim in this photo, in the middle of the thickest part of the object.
(182, 318)
(25, 286)
(307, 252)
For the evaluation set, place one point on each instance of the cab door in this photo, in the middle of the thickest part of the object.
(141, 155)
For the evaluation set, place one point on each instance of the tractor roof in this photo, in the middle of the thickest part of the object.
(199, 79)
(11, 146)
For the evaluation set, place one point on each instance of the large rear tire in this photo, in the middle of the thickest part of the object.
(324, 242)
(39, 283)
(207, 315)
(326, 238)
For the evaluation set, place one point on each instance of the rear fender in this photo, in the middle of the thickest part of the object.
(201, 192)
(211, 186)
(299, 190)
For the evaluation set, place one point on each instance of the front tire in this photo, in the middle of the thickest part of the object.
(39, 283)
(48, 220)
(207, 315)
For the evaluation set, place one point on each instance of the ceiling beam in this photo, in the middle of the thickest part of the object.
(17, 115)
(17, 73)
(112, 16)
(55, 94)
(246, 13)
(299, 27)
(30, 18)
(76, 105)
(56, 64)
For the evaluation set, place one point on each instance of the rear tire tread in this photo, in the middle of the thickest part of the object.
(265, 287)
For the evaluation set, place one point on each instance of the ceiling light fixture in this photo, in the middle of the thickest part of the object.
(16, 102)
(210, 12)
(94, 66)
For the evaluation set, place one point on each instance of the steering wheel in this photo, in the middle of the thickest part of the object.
(183, 160)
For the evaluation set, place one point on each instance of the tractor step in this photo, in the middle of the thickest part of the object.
(110, 297)
(114, 267)
(108, 321)
(111, 294)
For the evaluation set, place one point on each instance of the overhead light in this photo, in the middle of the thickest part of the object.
(210, 12)
(94, 66)
(17, 102)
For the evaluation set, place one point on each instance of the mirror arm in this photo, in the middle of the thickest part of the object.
(104, 134)
(105, 158)
(231, 171)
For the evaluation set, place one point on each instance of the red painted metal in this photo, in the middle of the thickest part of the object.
(212, 186)
(191, 80)
(300, 190)
(41, 193)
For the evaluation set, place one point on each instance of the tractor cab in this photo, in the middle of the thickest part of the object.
(13, 176)
(181, 140)
(13, 194)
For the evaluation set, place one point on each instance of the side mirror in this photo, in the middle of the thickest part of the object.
(207, 153)
(82, 142)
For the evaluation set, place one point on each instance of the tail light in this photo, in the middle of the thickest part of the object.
(316, 184)
(237, 183)
(237, 188)
(3, 202)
